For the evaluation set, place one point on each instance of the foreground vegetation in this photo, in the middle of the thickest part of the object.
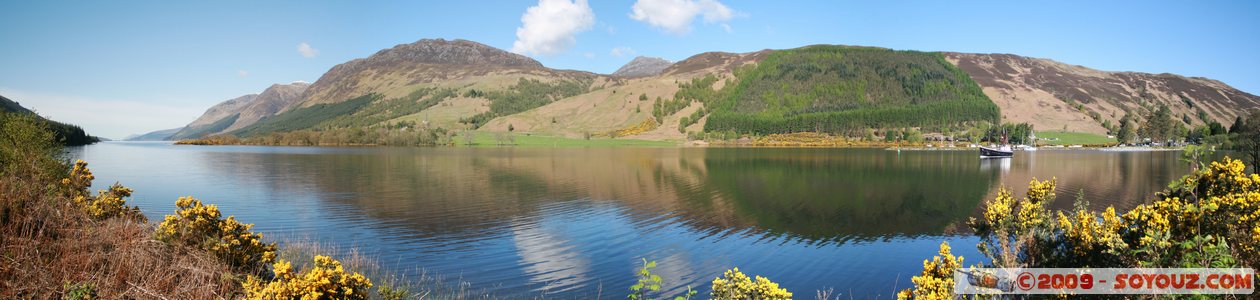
(64, 134)
(58, 240)
(1207, 219)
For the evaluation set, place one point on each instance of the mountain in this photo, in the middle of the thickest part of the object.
(69, 135)
(449, 84)
(243, 111)
(462, 85)
(1053, 95)
(160, 135)
(424, 61)
(273, 100)
(642, 66)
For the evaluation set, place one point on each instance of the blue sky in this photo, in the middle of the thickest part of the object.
(123, 67)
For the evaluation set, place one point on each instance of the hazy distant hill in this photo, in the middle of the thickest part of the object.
(69, 135)
(160, 135)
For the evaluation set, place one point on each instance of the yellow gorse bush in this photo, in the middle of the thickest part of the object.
(325, 280)
(106, 204)
(1086, 233)
(1032, 209)
(80, 179)
(937, 279)
(199, 225)
(735, 285)
(1220, 200)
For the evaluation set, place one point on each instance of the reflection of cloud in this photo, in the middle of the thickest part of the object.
(547, 257)
(674, 270)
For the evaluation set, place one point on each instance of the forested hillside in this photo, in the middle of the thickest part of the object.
(846, 90)
(66, 134)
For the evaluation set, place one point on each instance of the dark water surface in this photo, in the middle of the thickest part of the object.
(574, 222)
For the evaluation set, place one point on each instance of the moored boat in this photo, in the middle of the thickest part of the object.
(996, 152)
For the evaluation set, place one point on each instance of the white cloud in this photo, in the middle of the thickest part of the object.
(549, 28)
(108, 118)
(621, 51)
(589, 54)
(727, 28)
(675, 16)
(242, 73)
(306, 50)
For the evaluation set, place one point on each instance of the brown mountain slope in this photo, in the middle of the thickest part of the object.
(273, 100)
(223, 109)
(425, 61)
(243, 111)
(617, 105)
(1045, 93)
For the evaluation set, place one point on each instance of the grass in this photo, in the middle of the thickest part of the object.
(1072, 138)
(488, 139)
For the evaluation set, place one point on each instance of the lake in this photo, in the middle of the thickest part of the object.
(575, 222)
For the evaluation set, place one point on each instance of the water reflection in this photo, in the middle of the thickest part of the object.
(572, 222)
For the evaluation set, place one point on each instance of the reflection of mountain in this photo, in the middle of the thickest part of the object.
(814, 194)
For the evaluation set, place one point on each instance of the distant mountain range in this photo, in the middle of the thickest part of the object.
(463, 85)
(67, 134)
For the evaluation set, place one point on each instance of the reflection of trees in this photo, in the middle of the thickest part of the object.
(821, 194)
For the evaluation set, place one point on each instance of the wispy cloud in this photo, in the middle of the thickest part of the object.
(621, 51)
(109, 118)
(549, 28)
(306, 50)
(242, 73)
(676, 16)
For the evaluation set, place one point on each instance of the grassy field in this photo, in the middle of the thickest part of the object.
(1071, 138)
(487, 139)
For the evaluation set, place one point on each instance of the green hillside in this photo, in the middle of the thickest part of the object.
(846, 90)
(316, 116)
(203, 130)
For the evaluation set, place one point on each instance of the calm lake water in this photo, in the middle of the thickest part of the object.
(574, 222)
